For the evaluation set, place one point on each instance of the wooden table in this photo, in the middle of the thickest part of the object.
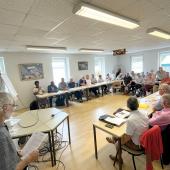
(41, 121)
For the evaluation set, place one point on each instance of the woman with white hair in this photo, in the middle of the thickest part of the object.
(8, 154)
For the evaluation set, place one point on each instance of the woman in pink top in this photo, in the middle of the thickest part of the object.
(162, 118)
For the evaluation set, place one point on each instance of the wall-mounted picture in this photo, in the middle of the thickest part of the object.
(83, 65)
(31, 71)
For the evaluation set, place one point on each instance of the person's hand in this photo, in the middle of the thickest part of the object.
(33, 156)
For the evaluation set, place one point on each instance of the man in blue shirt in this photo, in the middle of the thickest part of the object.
(52, 88)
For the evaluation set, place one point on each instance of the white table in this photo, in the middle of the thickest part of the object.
(41, 121)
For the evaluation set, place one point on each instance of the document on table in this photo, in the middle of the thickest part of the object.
(34, 142)
(116, 121)
(123, 114)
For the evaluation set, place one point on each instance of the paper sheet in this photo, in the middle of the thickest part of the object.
(33, 143)
(116, 121)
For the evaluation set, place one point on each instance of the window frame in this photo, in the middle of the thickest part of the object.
(159, 57)
(66, 67)
(101, 58)
(137, 56)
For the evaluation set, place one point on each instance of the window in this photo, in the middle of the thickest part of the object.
(164, 60)
(2, 65)
(60, 69)
(137, 64)
(99, 66)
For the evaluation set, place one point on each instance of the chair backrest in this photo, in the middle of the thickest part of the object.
(151, 141)
(166, 145)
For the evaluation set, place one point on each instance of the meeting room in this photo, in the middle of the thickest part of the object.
(84, 84)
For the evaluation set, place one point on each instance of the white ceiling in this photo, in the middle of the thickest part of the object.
(52, 23)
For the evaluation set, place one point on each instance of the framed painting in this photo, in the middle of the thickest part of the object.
(82, 65)
(31, 71)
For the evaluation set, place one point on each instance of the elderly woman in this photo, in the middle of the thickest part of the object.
(137, 123)
(163, 89)
(8, 154)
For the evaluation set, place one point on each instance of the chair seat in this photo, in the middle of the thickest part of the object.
(132, 152)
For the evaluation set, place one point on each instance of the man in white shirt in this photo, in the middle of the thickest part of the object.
(37, 88)
(136, 124)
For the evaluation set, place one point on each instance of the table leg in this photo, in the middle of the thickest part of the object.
(67, 96)
(68, 125)
(95, 141)
(53, 147)
(51, 153)
(119, 153)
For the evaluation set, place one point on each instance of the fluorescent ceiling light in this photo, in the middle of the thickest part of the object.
(89, 11)
(91, 50)
(45, 48)
(158, 33)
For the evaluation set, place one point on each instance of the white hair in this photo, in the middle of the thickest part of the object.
(166, 98)
(5, 98)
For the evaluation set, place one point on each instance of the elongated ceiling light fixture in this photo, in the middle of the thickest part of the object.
(159, 33)
(87, 50)
(45, 48)
(90, 11)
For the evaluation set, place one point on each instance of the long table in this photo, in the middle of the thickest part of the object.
(81, 88)
(120, 131)
(41, 121)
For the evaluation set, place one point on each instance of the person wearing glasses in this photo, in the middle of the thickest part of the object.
(8, 153)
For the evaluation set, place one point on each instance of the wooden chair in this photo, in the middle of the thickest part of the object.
(116, 85)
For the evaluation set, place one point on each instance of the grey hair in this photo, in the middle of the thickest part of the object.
(132, 103)
(166, 98)
(165, 87)
(5, 98)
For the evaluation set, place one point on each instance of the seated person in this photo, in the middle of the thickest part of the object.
(137, 123)
(52, 88)
(149, 82)
(78, 94)
(38, 90)
(166, 79)
(9, 156)
(94, 81)
(127, 80)
(63, 86)
(163, 89)
(103, 87)
(82, 81)
(88, 82)
(108, 78)
(162, 118)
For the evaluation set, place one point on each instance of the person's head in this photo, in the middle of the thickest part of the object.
(37, 84)
(92, 76)
(100, 76)
(164, 88)
(160, 69)
(71, 79)
(52, 83)
(62, 80)
(7, 105)
(166, 100)
(132, 103)
(167, 75)
(87, 77)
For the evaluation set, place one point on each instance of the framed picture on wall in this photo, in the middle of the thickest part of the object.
(31, 71)
(82, 65)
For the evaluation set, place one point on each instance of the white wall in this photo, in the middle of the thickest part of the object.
(150, 59)
(24, 88)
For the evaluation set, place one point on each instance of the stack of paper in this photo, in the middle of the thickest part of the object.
(123, 114)
(116, 121)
